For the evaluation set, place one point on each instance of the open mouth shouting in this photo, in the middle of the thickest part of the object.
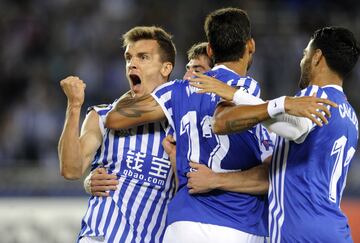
(135, 83)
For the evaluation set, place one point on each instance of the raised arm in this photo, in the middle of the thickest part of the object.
(76, 149)
(130, 112)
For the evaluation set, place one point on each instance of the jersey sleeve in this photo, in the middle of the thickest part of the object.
(164, 97)
(266, 141)
(101, 110)
(247, 84)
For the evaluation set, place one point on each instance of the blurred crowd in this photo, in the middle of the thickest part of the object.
(42, 42)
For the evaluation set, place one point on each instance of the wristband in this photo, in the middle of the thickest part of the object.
(276, 106)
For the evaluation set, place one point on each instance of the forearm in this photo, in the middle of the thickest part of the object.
(69, 149)
(238, 118)
(252, 181)
(130, 112)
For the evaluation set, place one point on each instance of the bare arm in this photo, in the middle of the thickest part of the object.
(252, 181)
(76, 150)
(229, 118)
(130, 112)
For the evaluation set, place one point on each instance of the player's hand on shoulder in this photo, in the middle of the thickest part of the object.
(316, 109)
(101, 182)
(74, 89)
(207, 84)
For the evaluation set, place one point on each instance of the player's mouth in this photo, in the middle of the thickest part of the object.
(136, 82)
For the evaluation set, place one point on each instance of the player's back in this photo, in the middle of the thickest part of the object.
(191, 114)
(311, 176)
(137, 209)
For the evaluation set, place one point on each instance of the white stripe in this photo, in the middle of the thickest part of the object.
(145, 213)
(88, 213)
(124, 207)
(157, 210)
(167, 113)
(95, 213)
(283, 171)
(144, 139)
(252, 87)
(156, 143)
(110, 149)
(103, 216)
(135, 207)
(163, 217)
(274, 191)
(115, 213)
(120, 155)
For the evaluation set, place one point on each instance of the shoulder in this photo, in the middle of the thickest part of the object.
(101, 109)
(313, 90)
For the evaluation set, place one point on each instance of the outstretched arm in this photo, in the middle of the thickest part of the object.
(76, 149)
(253, 181)
(134, 111)
(250, 110)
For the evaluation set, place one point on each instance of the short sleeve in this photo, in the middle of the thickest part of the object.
(163, 96)
(266, 141)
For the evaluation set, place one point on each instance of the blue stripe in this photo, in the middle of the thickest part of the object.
(100, 215)
(104, 160)
(151, 138)
(257, 90)
(161, 214)
(139, 137)
(247, 83)
(114, 154)
(162, 136)
(115, 229)
(141, 209)
(131, 201)
(109, 214)
(91, 215)
(103, 112)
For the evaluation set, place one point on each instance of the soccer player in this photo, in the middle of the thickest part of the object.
(217, 216)
(199, 61)
(98, 183)
(310, 163)
(136, 210)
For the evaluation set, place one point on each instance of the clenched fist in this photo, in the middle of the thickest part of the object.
(74, 89)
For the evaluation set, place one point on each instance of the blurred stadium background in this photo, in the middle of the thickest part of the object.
(44, 41)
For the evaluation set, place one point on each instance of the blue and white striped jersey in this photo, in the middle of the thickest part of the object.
(307, 179)
(136, 211)
(190, 115)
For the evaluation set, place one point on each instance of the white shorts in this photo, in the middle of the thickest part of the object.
(194, 232)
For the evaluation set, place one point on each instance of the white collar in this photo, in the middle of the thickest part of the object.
(338, 87)
(223, 67)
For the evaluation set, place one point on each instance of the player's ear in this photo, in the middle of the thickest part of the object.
(316, 58)
(166, 69)
(209, 51)
(251, 46)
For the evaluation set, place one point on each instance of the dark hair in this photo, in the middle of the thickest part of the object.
(164, 39)
(227, 31)
(197, 50)
(339, 46)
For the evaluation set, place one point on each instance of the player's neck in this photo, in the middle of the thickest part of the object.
(326, 78)
(238, 66)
